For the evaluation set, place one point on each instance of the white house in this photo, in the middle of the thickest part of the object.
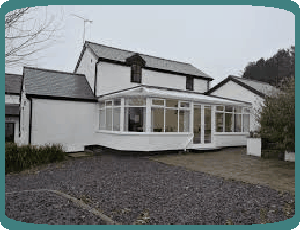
(128, 101)
(248, 90)
(13, 84)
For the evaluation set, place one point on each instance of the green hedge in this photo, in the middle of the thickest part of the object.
(18, 158)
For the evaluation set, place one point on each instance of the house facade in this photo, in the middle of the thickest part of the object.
(128, 101)
(252, 91)
(13, 84)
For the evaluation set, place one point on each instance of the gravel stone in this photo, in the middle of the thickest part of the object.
(171, 194)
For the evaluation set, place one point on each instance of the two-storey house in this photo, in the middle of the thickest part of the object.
(128, 101)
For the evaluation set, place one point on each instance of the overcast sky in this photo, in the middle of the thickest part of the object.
(219, 40)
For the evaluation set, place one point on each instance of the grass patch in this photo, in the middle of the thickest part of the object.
(18, 158)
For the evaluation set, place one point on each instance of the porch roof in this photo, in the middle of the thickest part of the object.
(152, 91)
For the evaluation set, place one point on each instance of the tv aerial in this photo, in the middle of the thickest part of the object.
(85, 20)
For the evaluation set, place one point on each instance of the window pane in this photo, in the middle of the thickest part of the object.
(109, 119)
(102, 120)
(171, 120)
(102, 104)
(135, 101)
(116, 119)
(220, 108)
(117, 102)
(237, 122)
(228, 108)
(184, 104)
(158, 102)
(219, 122)
(171, 103)
(207, 124)
(157, 119)
(246, 121)
(108, 103)
(228, 122)
(134, 119)
(237, 109)
(197, 124)
(184, 120)
(246, 110)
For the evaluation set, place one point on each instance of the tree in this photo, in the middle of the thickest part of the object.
(26, 33)
(277, 118)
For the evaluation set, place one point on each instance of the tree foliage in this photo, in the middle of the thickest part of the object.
(278, 118)
(273, 70)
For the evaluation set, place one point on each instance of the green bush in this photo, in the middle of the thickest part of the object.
(18, 158)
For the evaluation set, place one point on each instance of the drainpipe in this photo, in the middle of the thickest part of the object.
(95, 78)
(189, 141)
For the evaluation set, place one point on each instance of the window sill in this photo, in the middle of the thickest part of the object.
(141, 133)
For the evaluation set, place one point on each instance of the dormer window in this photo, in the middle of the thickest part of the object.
(136, 62)
(136, 74)
(189, 83)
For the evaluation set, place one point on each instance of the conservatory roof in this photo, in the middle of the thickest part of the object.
(152, 91)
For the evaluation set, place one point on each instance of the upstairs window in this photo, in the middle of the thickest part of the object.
(136, 74)
(136, 63)
(190, 83)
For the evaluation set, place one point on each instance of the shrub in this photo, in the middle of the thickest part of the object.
(18, 158)
(278, 119)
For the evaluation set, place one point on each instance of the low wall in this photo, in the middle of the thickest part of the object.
(254, 147)
(230, 139)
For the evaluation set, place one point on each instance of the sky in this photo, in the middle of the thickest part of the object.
(219, 40)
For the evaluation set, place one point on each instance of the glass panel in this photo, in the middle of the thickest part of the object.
(220, 108)
(158, 102)
(108, 103)
(184, 104)
(116, 119)
(228, 122)
(237, 109)
(117, 102)
(228, 108)
(246, 121)
(102, 125)
(207, 124)
(237, 123)
(157, 119)
(109, 119)
(9, 132)
(171, 103)
(197, 124)
(134, 119)
(171, 120)
(184, 120)
(135, 101)
(219, 122)
(246, 110)
(102, 104)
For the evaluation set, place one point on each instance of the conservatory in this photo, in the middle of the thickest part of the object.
(148, 118)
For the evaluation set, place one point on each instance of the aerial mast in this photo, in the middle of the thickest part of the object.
(85, 20)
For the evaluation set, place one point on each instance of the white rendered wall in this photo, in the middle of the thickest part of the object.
(24, 119)
(87, 66)
(70, 123)
(230, 139)
(142, 141)
(200, 85)
(112, 77)
(254, 147)
(232, 90)
(155, 78)
(12, 99)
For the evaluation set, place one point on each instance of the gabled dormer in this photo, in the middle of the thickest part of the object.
(136, 63)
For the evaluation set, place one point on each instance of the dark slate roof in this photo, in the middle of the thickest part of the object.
(262, 89)
(53, 83)
(12, 109)
(120, 55)
(13, 83)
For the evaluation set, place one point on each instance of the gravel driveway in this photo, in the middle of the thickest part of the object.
(130, 188)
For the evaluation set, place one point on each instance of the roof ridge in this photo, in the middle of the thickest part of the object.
(138, 53)
(52, 70)
(262, 82)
